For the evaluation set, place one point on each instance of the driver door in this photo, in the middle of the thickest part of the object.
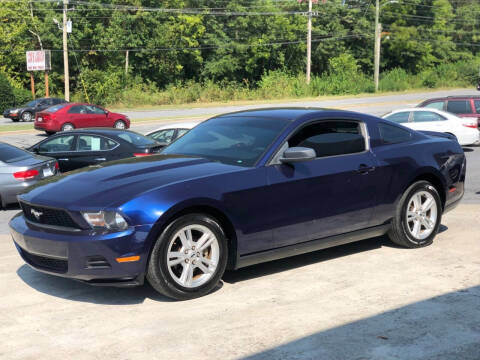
(330, 195)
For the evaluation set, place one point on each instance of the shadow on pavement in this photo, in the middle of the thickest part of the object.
(444, 327)
(294, 262)
(272, 267)
(77, 291)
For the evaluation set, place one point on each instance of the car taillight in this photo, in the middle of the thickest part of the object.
(472, 125)
(141, 154)
(26, 175)
(57, 166)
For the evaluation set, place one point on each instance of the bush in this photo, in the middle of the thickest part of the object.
(394, 80)
(6, 93)
(21, 96)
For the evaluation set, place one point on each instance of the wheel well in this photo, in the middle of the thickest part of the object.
(222, 219)
(436, 182)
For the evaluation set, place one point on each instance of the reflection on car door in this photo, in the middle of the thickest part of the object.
(60, 147)
(331, 195)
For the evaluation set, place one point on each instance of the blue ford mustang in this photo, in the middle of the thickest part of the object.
(240, 189)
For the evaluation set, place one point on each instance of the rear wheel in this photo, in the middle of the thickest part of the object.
(120, 124)
(68, 127)
(418, 216)
(27, 116)
(189, 257)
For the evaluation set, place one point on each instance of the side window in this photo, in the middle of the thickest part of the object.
(182, 132)
(91, 143)
(329, 138)
(477, 106)
(400, 117)
(425, 116)
(77, 109)
(165, 136)
(391, 134)
(109, 144)
(435, 105)
(459, 106)
(58, 144)
(94, 110)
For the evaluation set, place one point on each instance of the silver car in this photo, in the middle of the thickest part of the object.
(20, 169)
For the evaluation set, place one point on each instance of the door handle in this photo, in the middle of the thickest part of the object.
(100, 159)
(63, 159)
(365, 169)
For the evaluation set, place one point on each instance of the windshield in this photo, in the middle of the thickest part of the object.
(32, 103)
(136, 139)
(10, 154)
(232, 140)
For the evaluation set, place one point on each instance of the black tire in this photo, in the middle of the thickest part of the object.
(399, 232)
(65, 127)
(118, 124)
(49, 133)
(157, 271)
(27, 116)
(15, 120)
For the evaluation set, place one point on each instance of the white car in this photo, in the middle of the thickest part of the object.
(171, 131)
(427, 119)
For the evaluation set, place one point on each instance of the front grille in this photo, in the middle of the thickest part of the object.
(48, 216)
(46, 263)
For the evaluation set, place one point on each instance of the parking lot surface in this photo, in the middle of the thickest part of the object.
(367, 300)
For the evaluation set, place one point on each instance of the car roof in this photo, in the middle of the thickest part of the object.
(453, 97)
(99, 131)
(287, 113)
(176, 125)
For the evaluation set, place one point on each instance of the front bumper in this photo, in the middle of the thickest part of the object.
(13, 116)
(83, 255)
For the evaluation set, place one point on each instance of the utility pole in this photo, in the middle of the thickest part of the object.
(309, 41)
(126, 62)
(65, 52)
(378, 34)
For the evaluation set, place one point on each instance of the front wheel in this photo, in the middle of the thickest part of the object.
(189, 257)
(119, 124)
(418, 216)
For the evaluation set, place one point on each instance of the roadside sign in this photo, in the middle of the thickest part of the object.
(39, 60)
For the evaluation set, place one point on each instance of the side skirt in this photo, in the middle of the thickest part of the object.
(313, 245)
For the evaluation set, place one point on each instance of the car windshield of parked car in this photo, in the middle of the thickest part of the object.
(136, 139)
(32, 103)
(55, 108)
(10, 154)
(231, 140)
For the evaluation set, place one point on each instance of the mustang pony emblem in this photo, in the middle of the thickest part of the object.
(36, 213)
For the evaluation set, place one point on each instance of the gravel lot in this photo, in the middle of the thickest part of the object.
(367, 300)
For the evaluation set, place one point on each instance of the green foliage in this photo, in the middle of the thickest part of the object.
(6, 93)
(193, 57)
(21, 96)
(395, 80)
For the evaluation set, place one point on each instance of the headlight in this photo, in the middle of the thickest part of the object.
(13, 111)
(110, 220)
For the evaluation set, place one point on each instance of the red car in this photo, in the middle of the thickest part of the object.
(64, 117)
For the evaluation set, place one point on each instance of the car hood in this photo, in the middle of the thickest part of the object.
(114, 183)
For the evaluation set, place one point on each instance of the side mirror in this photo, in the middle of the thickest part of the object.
(297, 154)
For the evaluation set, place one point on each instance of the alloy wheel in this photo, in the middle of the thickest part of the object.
(26, 116)
(421, 215)
(193, 256)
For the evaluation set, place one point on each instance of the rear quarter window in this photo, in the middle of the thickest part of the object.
(391, 134)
